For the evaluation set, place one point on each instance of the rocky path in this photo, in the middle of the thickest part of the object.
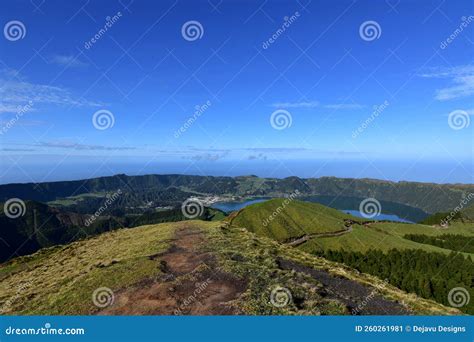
(191, 284)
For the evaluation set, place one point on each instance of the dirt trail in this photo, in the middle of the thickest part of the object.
(304, 238)
(359, 299)
(191, 285)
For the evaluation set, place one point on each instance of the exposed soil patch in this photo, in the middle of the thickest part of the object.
(192, 284)
(359, 299)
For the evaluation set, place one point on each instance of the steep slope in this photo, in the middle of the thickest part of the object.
(45, 226)
(193, 267)
(286, 219)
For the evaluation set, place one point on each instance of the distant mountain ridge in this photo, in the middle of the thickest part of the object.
(429, 197)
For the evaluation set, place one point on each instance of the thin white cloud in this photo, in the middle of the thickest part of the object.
(310, 104)
(344, 106)
(68, 61)
(461, 79)
(17, 92)
(314, 104)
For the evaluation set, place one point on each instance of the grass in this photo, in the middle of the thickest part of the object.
(286, 219)
(253, 257)
(301, 218)
(61, 280)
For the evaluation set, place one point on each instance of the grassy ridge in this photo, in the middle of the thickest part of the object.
(284, 219)
(60, 280)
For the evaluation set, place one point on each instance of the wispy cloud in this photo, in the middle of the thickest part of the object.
(460, 77)
(83, 147)
(16, 91)
(315, 104)
(344, 106)
(310, 104)
(207, 157)
(68, 61)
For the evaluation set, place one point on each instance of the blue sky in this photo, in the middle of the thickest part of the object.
(359, 105)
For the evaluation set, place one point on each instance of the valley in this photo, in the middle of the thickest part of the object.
(246, 241)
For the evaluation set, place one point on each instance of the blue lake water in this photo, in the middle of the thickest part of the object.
(236, 205)
(389, 217)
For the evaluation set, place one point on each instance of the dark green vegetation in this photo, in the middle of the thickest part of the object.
(422, 259)
(46, 226)
(448, 241)
(430, 275)
(62, 279)
(170, 189)
(262, 245)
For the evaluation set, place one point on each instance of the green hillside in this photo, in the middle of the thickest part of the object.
(413, 257)
(156, 270)
(286, 219)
